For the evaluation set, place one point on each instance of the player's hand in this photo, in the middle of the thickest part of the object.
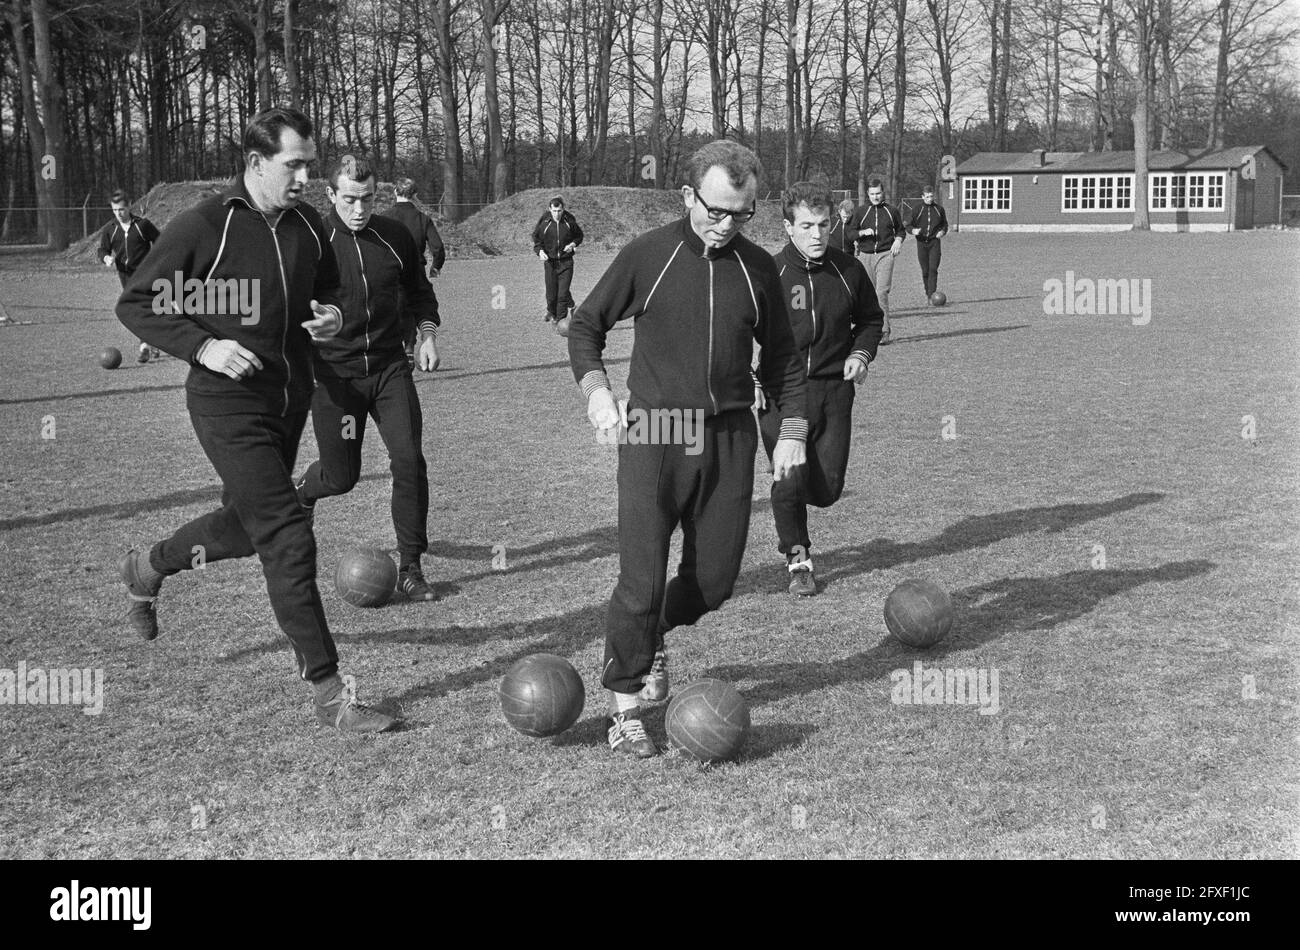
(570, 248)
(426, 353)
(942, 233)
(898, 246)
(434, 272)
(866, 232)
(760, 399)
(602, 410)
(228, 357)
(108, 260)
(855, 369)
(541, 255)
(326, 321)
(787, 456)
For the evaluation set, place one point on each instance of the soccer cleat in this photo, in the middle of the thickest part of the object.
(884, 336)
(144, 354)
(411, 582)
(803, 582)
(140, 615)
(347, 715)
(627, 734)
(655, 688)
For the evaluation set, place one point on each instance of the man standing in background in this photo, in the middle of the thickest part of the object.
(123, 244)
(929, 224)
(555, 238)
(880, 237)
(427, 239)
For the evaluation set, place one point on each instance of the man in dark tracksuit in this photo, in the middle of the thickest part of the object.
(929, 224)
(837, 324)
(555, 238)
(427, 239)
(240, 286)
(363, 369)
(701, 295)
(842, 236)
(123, 244)
(880, 238)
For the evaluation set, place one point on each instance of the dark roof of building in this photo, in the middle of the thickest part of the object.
(984, 163)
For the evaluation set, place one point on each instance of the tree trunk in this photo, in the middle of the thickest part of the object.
(496, 144)
(263, 53)
(1216, 137)
(657, 115)
(55, 131)
(900, 102)
(791, 85)
(453, 158)
(605, 30)
(291, 54)
(1142, 113)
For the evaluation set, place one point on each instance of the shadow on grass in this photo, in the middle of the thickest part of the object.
(984, 613)
(976, 531)
(128, 391)
(924, 337)
(462, 374)
(127, 509)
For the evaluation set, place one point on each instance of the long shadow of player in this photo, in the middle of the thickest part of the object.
(984, 612)
(975, 531)
(125, 391)
(453, 373)
(925, 337)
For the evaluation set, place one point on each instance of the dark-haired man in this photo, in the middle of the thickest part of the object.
(837, 324)
(701, 295)
(363, 371)
(123, 244)
(929, 224)
(427, 240)
(241, 286)
(555, 238)
(880, 238)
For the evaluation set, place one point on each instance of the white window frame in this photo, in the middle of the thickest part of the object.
(1187, 191)
(981, 194)
(1087, 192)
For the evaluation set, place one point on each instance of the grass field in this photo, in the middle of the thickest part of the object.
(1119, 553)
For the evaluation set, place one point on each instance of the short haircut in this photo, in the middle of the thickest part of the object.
(928, 190)
(119, 197)
(405, 188)
(263, 131)
(805, 193)
(875, 183)
(739, 162)
(846, 205)
(556, 202)
(357, 169)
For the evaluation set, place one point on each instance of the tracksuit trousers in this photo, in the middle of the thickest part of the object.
(559, 275)
(821, 481)
(709, 495)
(259, 514)
(338, 412)
(928, 254)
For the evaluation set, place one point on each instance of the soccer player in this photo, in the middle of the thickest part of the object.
(842, 236)
(123, 244)
(701, 295)
(555, 238)
(249, 387)
(363, 369)
(426, 238)
(880, 238)
(929, 224)
(837, 324)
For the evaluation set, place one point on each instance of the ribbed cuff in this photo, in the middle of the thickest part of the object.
(593, 381)
(795, 428)
(428, 326)
(197, 358)
(754, 376)
(862, 355)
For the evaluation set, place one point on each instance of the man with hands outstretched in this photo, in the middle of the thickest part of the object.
(242, 286)
(702, 295)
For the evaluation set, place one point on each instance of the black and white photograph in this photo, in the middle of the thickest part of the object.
(652, 429)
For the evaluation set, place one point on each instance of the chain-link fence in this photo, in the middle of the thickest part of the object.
(25, 225)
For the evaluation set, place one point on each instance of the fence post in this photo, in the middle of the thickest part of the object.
(85, 216)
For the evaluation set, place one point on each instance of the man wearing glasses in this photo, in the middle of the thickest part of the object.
(701, 295)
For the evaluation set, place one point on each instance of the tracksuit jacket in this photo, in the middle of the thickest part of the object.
(930, 219)
(887, 222)
(422, 231)
(698, 312)
(842, 235)
(842, 316)
(128, 246)
(552, 236)
(225, 238)
(378, 265)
